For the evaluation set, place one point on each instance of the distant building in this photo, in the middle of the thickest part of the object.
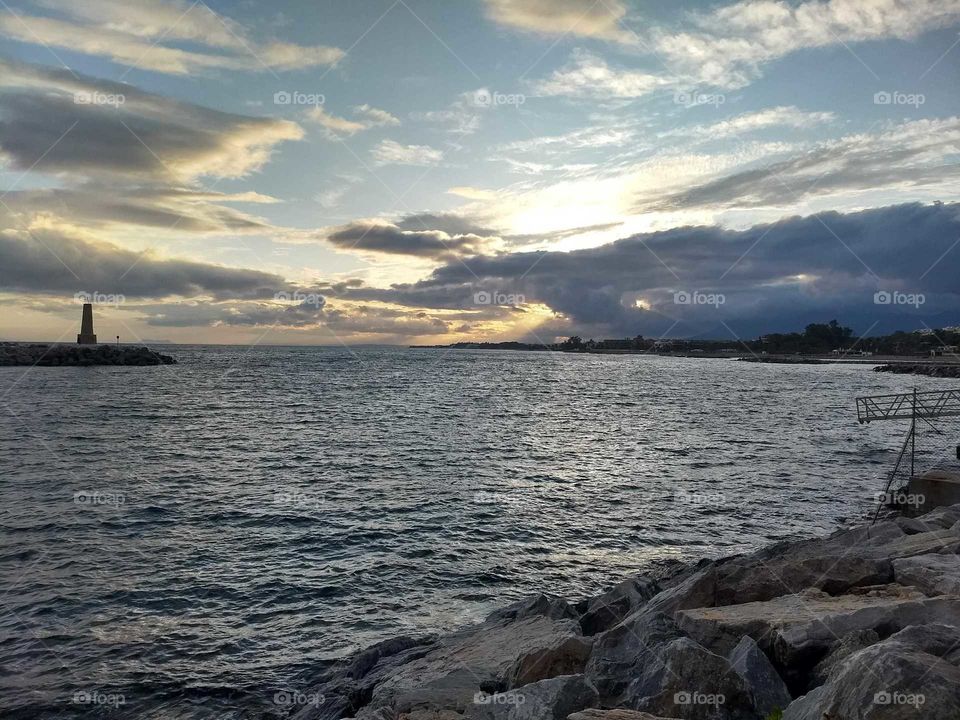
(86, 336)
(943, 350)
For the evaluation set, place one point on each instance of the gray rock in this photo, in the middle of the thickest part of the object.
(796, 631)
(542, 605)
(912, 526)
(942, 518)
(921, 544)
(685, 680)
(769, 690)
(847, 645)
(614, 714)
(909, 675)
(552, 699)
(932, 574)
(846, 559)
(602, 612)
(621, 654)
(496, 654)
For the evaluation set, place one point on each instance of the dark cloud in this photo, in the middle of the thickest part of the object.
(772, 276)
(389, 239)
(444, 222)
(44, 260)
(99, 128)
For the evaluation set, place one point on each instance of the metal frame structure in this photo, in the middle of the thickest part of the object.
(910, 406)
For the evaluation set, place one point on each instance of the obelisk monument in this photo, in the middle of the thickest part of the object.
(86, 336)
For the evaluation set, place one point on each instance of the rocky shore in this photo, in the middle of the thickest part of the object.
(861, 625)
(50, 354)
(927, 368)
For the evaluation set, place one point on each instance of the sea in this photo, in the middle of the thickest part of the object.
(200, 540)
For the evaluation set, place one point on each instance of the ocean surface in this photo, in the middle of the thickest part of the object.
(200, 540)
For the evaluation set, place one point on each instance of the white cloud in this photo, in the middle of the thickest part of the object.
(369, 117)
(375, 117)
(587, 75)
(139, 34)
(600, 20)
(390, 152)
(734, 41)
(782, 116)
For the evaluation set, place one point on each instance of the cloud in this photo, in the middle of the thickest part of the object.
(589, 76)
(599, 20)
(44, 259)
(389, 239)
(774, 277)
(911, 156)
(139, 34)
(90, 127)
(370, 117)
(390, 152)
(781, 116)
(733, 42)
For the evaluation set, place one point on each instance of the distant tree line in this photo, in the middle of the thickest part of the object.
(816, 339)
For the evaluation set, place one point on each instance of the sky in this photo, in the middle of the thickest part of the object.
(430, 171)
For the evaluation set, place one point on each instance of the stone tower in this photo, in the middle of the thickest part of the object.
(86, 336)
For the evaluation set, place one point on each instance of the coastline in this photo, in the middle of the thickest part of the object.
(843, 625)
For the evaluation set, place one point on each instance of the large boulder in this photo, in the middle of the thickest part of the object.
(847, 559)
(614, 714)
(552, 699)
(797, 631)
(683, 679)
(498, 654)
(933, 574)
(912, 674)
(845, 647)
(526, 642)
(942, 518)
(769, 691)
(602, 612)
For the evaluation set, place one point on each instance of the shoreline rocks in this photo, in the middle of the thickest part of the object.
(862, 625)
(56, 355)
(932, 369)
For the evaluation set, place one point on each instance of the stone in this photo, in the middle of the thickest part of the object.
(602, 612)
(769, 691)
(932, 574)
(797, 631)
(620, 654)
(846, 559)
(921, 544)
(847, 645)
(683, 679)
(614, 714)
(941, 518)
(909, 675)
(495, 655)
(911, 526)
(541, 605)
(552, 699)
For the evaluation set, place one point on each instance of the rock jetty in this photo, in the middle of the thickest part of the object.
(927, 368)
(861, 625)
(50, 354)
